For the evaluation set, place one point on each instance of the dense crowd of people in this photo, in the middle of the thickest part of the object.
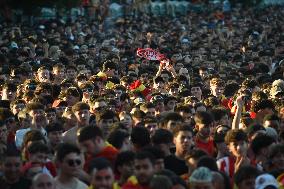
(79, 109)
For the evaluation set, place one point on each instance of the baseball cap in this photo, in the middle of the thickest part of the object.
(265, 180)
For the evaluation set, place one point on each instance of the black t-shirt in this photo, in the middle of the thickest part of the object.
(176, 165)
(21, 184)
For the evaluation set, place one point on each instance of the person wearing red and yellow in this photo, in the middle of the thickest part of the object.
(92, 140)
(143, 171)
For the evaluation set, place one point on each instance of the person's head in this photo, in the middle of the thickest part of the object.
(54, 133)
(11, 166)
(217, 87)
(159, 83)
(163, 139)
(221, 116)
(124, 164)
(38, 152)
(204, 123)
(140, 137)
(245, 177)
(110, 68)
(193, 157)
(68, 159)
(58, 71)
(144, 167)
(35, 110)
(186, 112)
(151, 123)
(276, 156)
(71, 96)
(263, 108)
(183, 139)
(159, 157)
(126, 119)
(203, 72)
(266, 181)
(102, 175)
(43, 74)
(236, 141)
(9, 91)
(171, 120)
(91, 139)
(161, 181)
(208, 162)
(105, 119)
(260, 146)
(17, 105)
(50, 114)
(196, 90)
(119, 138)
(201, 178)
(43, 181)
(148, 109)
(31, 137)
(71, 72)
(82, 112)
(272, 121)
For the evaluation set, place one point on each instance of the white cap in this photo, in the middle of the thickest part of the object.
(201, 175)
(265, 180)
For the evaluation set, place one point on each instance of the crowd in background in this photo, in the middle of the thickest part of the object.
(79, 109)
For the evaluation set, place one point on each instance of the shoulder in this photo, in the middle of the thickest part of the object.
(81, 185)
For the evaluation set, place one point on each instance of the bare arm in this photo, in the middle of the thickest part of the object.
(238, 114)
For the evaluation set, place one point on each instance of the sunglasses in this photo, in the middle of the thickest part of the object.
(73, 163)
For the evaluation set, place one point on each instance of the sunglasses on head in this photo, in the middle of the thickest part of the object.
(74, 162)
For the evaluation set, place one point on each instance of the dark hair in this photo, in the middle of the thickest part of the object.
(99, 164)
(64, 149)
(123, 158)
(276, 150)
(174, 116)
(251, 130)
(203, 118)
(195, 154)
(33, 135)
(260, 142)
(89, 132)
(80, 106)
(54, 127)
(218, 113)
(244, 173)
(235, 135)
(34, 106)
(117, 137)
(262, 104)
(209, 162)
(183, 108)
(105, 114)
(37, 147)
(157, 152)
(162, 136)
(141, 155)
(179, 128)
(140, 136)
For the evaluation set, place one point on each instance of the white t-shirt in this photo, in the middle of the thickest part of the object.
(77, 184)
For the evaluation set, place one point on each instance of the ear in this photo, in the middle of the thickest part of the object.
(174, 140)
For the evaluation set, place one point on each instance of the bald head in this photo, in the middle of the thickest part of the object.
(43, 181)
